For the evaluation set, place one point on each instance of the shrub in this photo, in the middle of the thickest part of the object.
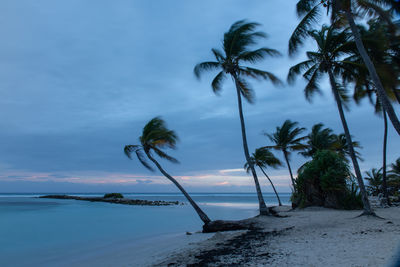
(326, 181)
(113, 195)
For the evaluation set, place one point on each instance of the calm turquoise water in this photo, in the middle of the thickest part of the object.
(33, 231)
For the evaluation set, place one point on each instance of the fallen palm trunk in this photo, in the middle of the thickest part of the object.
(246, 224)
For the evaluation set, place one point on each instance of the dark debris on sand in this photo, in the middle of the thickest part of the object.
(237, 251)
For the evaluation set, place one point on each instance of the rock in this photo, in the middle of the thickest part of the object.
(124, 201)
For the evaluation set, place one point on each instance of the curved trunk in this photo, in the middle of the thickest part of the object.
(199, 211)
(384, 182)
(285, 154)
(382, 96)
(273, 187)
(263, 207)
(366, 204)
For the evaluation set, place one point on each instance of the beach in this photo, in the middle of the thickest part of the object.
(309, 237)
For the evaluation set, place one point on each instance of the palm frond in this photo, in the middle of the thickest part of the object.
(312, 87)
(245, 90)
(298, 69)
(240, 36)
(164, 155)
(128, 149)
(260, 74)
(257, 55)
(304, 6)
(218, 55)
(302, 30)
(216, 84)
(205, 66)
(373, 9)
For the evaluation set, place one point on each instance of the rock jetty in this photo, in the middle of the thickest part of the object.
(124, 201)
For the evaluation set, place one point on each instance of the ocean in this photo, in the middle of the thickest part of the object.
(36, 231)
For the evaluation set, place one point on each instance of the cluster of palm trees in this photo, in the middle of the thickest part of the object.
(347, 53)
(374, 178)
(289, 138)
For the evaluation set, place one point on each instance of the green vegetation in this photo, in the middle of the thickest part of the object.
(324, 181)
(113, 195)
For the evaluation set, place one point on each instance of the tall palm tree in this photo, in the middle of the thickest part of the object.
(332, 46)
(236, 50)
(344, 12)
(380, 47)
(155, 137)
(264, 158)
(286, 139)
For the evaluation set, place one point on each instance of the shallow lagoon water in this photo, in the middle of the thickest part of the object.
(34, 231)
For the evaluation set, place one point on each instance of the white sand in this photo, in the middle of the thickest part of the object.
(317, 237)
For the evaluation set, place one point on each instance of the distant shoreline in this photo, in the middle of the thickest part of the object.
(124, 201)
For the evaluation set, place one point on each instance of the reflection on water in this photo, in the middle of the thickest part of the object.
(231, 204)
(43, 229)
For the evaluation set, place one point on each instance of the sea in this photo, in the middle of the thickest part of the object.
(35, 230)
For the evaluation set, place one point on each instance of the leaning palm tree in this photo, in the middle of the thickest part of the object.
(332, 46)
(264, 158)
(155, 137)
(236, 50)
(286, 139)
(344, 12)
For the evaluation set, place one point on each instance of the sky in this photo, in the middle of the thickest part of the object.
(80, 78)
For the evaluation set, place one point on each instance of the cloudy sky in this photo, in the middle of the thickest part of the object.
(80, 78)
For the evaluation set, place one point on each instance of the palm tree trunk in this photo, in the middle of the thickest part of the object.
(273, 187)
(285, 154)
(384, 183)
(382, 96)
(199, 211)
(367, 207)
(263, 207)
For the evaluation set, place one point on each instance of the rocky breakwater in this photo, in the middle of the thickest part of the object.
(124, 201)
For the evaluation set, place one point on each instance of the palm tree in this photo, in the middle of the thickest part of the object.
(395, 168)
(374, 178)
(236, 50)
(341, 146)
(263, 158)
(343, 12)
(319, 139)
(382, 50)
(286, 138)
(394, 175)
(155, 137)
(332, 45)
